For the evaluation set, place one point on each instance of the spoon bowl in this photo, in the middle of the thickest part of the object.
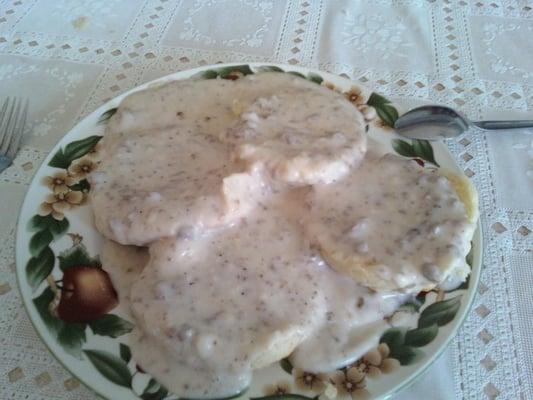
(440, 122)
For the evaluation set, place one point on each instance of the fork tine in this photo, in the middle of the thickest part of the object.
(2, 117)
(13, 114)
(18, 132)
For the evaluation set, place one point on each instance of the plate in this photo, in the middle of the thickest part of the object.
(57, 243)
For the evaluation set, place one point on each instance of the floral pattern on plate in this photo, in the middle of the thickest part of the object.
(70, 292)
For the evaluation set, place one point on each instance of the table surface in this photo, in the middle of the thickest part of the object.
(68, 57)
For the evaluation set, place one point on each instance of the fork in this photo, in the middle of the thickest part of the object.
(12, 121)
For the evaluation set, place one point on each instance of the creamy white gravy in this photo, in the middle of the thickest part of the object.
(169, 152)
(237, 187)
(303, 134)
(213, 307)
(152, 184)
(124, 264)
(405, 226)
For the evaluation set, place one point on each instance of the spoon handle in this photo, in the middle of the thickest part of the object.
(490, 125)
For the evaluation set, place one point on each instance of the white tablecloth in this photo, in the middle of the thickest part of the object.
(69, 56)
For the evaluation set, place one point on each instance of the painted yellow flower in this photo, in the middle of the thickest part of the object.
(59, 182)
(387, 364)
(381, 124)
(376, 361)
(350, 383)
(309, 381)
(76, 238)
(56, 204)
(369, 363)
(277, 389)
(369, 112)
(81, 168)
(329, 393)
(355, 96)
(331, 86)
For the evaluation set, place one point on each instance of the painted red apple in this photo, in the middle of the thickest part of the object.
(418, 161)
(233, 75)
(87, 294)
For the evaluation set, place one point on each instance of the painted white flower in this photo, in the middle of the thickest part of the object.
(329, 393)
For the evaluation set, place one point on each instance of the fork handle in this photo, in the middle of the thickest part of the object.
(4, 162)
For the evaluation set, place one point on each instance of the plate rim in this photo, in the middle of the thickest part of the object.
(423, 367)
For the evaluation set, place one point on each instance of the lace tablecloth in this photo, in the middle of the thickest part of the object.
(68, 57)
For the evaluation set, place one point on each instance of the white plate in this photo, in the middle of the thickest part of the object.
(97, 352)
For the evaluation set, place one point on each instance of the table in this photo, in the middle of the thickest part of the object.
(68, 57)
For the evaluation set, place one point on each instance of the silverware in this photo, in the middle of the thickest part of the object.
(439, 122)
(12, 121)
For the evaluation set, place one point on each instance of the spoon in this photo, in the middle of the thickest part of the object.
(439, 122)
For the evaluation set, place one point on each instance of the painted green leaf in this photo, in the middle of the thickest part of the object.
(40, 223)
(310, 77)
(418, 149)
(224, 72)
(286, 365)
(269, 68)
(79, 148)
(243, 69)
(125, 352)
(82, 186)
(38, 268)
(394, 338)
(470, 261)
(315, 78)
(154, 391)
(39, 241)
(410, 306)
(72, 151)
(403, 148)
(110, 366)
(424, 150)
(110, 325)
(421, 336)
(71, 337)
(58, 228)
(76, 256)
(59, 160)
(384, 108)
(440, 313)
(107, 115)
(470, 255)
(296, 73)
(462, 286)
(406, 355)
(42, 303)
(207, 74)
(287, 396)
